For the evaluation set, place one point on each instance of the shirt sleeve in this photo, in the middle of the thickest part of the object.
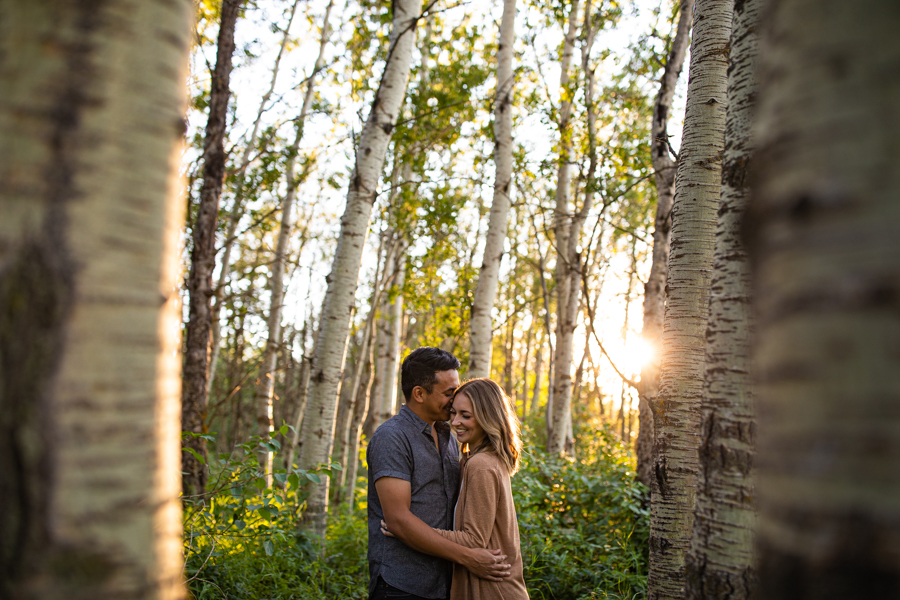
(482, 490)
(389, 455)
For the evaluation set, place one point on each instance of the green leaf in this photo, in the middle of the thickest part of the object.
(269, 547)
(283, 430)
(239, 525)
(265, 513)
(314, 477)
(195, 454)
(260, 483)
(280, 477)
(294, 480)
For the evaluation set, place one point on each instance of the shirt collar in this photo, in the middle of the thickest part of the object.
(407, 413)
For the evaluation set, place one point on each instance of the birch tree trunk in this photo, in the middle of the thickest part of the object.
(677, 409)
(266, 382)
(302, 397)
(91, 121)
(557, 440)
(203, 258)
(655, 288)
(481, 325)
(392, 322)
(237, 208)
(826, 259)
(720, 562)
(318, 425)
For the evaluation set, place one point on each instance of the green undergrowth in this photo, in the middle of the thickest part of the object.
(583, 525)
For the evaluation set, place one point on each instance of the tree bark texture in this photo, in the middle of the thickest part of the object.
(203, 257)
(655, 288)
(91, 125)
(558, 441)
(237, 209)
(318, 425)
(826, 268)
(677, 409)
(720, 561)
(481, 324)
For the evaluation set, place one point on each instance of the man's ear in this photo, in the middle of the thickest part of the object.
(418, 394)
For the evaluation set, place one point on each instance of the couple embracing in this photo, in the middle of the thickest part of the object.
(441, 526)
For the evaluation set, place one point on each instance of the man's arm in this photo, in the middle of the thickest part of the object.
(395, 495)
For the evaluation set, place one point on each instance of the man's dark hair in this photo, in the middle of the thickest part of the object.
(419, 368)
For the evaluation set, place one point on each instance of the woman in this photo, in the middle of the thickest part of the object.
(488, 433)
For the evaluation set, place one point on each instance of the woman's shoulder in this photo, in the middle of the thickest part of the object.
(485, 461)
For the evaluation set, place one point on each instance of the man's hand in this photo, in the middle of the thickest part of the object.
(486, 564)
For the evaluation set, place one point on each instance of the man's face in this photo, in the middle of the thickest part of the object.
(437, 403)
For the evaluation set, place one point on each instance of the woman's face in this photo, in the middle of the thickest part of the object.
(467, 428)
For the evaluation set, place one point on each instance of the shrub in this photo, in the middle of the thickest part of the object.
(583, 525)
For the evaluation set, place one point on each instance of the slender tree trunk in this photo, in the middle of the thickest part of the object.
(318, 426)
(350, 427)
(536, 391)
(237, 208)
(91, 123)
(266, 382)
(720, 562)
(529, 340)
(481, 326)
(392, 323)
(677, 409)
(203, 258)
(362, 407)
(302, 396)
(655, 288)
(826, 267)
(568, 291)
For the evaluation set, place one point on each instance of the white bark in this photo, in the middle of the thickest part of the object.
(720, 562)
(318, 426)
(826, 271)
(677, 408)
(392, 322)
(481, 326)
(91, 121)
(558, 439)
(655, 288)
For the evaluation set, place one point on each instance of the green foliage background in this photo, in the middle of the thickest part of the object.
(584, 528)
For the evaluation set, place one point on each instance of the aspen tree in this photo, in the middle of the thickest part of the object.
(677, 408)
(481, 326)
(655, 288)
(720, 562)
(265, 387)
(91, 125)
(318, 425)
(558, 441)
(203, 258)
(826, 269)
(237, 207)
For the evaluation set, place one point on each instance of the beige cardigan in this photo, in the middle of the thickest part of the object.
(486, 518)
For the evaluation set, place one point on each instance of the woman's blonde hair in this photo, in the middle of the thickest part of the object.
(495, 413)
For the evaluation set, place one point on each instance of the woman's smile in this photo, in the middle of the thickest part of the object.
(468, 430)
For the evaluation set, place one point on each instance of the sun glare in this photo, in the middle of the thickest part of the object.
(638, 352)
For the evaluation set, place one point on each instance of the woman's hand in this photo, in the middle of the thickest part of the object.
(385, 530)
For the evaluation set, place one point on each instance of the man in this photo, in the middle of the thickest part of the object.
(413, 485)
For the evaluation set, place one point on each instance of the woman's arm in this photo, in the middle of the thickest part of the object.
(395, 499)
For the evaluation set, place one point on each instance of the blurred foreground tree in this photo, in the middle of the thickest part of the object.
(91, 118)
(826, 260)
